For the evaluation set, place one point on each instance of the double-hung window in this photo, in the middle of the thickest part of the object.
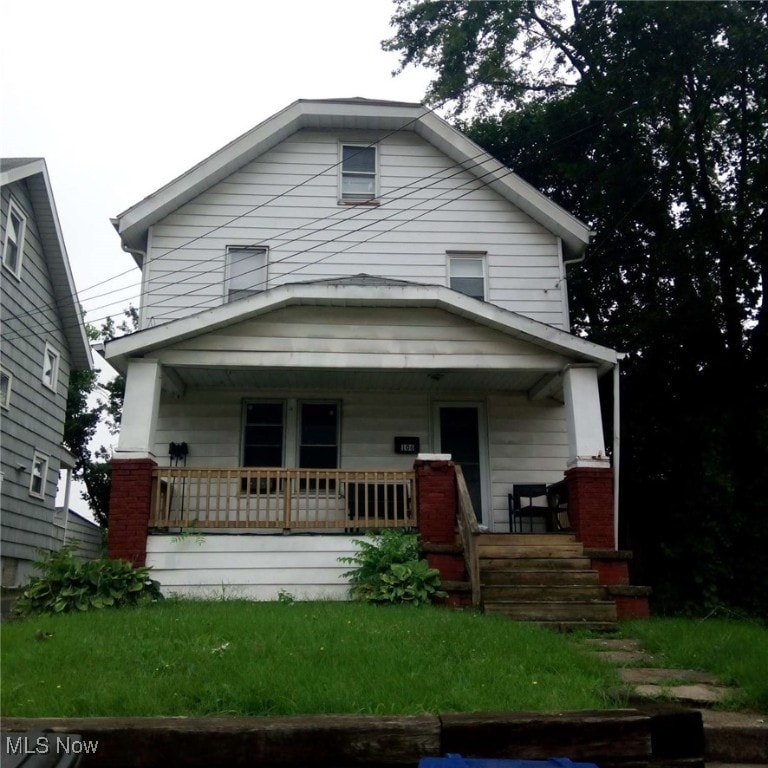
(51, 362)
(5, 388)
(263, 434)
(358, 173)
(13, 247)
(246, 271)
(467, 273)
(319, 435)
(39, 475)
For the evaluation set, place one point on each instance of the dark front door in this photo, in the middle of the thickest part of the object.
(459, 436)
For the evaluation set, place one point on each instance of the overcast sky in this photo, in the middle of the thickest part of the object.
(122, 97)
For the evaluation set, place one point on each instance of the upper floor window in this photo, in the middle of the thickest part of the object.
(5, 388)
(51, 361)
(467, 274)
(13, 248)
(39, 475)
(358, 173)
(246, 271)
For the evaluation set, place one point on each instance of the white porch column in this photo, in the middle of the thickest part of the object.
(586, 447)
(140, 409)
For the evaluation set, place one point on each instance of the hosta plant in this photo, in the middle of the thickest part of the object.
(69, 584)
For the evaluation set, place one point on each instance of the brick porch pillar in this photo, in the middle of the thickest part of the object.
(590, 505)
(436, 497)
(129, 507)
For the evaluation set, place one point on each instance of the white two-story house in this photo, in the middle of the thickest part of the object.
(348, 286)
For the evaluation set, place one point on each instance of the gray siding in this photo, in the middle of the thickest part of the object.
(287, 200)
(35, 419)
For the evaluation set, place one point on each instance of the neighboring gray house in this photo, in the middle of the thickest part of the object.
(43, 339)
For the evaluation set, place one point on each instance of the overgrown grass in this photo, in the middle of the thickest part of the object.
(243, 658)
(735, 651)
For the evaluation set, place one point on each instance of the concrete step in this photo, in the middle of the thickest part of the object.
(564, 610)
(535, 563)
(514, 576)
(540, 592)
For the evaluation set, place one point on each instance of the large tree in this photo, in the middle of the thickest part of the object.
(647, 120)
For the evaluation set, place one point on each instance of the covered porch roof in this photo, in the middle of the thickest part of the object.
(382, 334)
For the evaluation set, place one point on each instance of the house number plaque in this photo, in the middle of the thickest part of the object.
(407, 445)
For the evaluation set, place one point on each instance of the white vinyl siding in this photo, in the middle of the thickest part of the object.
(288, 200)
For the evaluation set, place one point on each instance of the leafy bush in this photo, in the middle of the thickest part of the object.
(389, 570)
(69, 584)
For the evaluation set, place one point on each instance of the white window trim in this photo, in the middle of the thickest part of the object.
(466, 255)
(14, 208)
(376, 175)
(6, 402)
(227, 272)
(39, 457)
(50, 350)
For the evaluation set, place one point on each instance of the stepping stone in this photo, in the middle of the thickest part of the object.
(696, 695)
(651, 675)
(612, 644)
(624, 657)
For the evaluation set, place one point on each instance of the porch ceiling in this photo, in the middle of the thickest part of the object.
(375, 380)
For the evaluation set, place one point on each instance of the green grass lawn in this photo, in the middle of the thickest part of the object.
(244, 658)
(735, 651)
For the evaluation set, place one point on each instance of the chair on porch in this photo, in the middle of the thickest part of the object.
(522, 504)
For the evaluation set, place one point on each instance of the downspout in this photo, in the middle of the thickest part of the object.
(616, 445)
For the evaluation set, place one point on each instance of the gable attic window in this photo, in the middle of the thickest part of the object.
(51, 360)
(358, 173)
(246, 271)
(13, 247)
(466, 273)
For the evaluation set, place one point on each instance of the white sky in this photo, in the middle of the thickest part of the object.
(122, 97)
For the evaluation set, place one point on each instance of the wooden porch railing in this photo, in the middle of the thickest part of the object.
(277, 498)
(469, 531)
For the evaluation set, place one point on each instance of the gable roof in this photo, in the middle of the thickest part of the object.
(354, 113)
(34, 172)
(366, 291)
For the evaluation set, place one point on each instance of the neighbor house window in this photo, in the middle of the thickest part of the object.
(5, 388)
(13, 248)
(39, 475)
(51, 360)
(358, 173)
(467, 274)
(246, 271)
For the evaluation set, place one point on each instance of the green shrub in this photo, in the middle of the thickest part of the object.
(389, 570)
(69, 584)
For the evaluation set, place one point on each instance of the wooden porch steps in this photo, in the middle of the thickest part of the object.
(543, 578)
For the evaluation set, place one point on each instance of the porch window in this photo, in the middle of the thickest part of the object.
(246, 271)
(263, 435)
(319, 435)
(358, 173)
(467, 274)
(13, 248)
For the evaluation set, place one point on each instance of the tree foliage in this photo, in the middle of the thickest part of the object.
(86, 411)
(647, 120)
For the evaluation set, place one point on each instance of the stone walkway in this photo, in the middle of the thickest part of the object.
(731, 738)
